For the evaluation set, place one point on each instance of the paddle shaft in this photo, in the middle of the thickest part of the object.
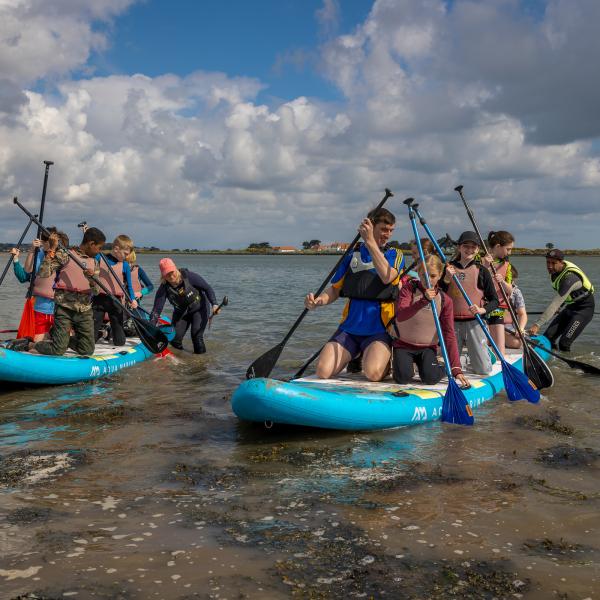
(438, 327)
(48, 163)
(76, 260)
(574, 364)
(10, 260)
(443, 258)
(507, 301)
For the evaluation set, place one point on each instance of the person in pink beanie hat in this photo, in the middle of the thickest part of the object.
(193, 300)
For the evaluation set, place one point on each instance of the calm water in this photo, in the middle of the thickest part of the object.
(146, 485)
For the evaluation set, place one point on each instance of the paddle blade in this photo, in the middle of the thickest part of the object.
(517, 385)
(264, 364)
(27, 324)
(151, 336)
(537, 370)
(455, 408)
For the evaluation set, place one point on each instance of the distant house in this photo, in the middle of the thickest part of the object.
(285, 249)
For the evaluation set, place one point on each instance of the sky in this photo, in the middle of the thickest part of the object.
(213, 124)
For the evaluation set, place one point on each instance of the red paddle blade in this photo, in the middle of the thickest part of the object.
(27, 324)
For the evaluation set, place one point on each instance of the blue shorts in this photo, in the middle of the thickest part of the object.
(357, 344)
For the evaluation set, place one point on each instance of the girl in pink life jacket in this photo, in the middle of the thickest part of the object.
(140, 282)
(479, 285)
(414, 332)
(500, 244)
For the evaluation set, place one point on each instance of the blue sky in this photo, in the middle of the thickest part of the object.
(274, 41)
(215, 124)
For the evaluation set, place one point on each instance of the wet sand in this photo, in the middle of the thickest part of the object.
(145, 485)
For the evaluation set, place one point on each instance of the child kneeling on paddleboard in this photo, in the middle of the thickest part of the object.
(479, 285)
(73, 290)
(415, 336)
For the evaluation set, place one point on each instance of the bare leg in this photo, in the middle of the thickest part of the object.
(511, 340)
(333, 359)
(497, 332)
(376, 360)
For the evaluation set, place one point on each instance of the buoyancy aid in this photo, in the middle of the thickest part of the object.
(107, 278)
(44, 286)
(420, 329)
(185, 297)
(136, 284)
(71, 277)
(502, 269)
(579, 294)
(362, 281)
(468, 278)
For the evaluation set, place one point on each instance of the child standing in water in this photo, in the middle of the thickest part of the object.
(511, 337)
(414, 332)
(501, 245)
(479, 285)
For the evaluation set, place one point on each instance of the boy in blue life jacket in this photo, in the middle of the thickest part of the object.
(369, 278)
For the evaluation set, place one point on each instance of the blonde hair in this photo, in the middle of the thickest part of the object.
(433, 262)
(132, 258)
(123, 241)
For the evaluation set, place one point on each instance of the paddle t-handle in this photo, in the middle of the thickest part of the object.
(408, 202)
(458, 189)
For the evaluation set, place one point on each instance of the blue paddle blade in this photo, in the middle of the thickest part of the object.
(455, 408)
(517, 385)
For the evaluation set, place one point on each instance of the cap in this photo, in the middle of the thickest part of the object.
(468, 236)
(166, 266)
(556, 254)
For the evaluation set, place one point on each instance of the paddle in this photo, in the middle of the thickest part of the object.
(27, 323)
(224, 302)
(574, 364)
(534, 367)
(264, 364)
(455, 407)
(10, 260)
(515, 382)
(137, 323)
(151, 336)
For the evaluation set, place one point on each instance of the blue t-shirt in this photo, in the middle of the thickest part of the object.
(367, 317)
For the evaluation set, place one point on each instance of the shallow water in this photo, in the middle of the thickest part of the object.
(145, 485)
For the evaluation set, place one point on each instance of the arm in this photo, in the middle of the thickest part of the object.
(557, 301)
(200, 284)
(148, 286)
(127, 273)
(331, 294)
(20, 273)
(387, 272)
(447, 325)
(159, 302)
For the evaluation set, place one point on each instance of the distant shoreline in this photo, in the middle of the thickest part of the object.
(517, 252)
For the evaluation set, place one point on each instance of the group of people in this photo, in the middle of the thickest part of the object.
(82, 296)
(388, 313)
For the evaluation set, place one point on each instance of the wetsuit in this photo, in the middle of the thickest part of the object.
(577, 293)
(192, 300)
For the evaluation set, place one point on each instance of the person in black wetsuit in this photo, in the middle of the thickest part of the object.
(193, 300)
(576, 292)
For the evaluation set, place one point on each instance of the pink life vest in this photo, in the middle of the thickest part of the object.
(468, 278)
(71, 277)
(44, 286)
(136, 284)
(107, 278)
(501, 269)
(420, 329)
